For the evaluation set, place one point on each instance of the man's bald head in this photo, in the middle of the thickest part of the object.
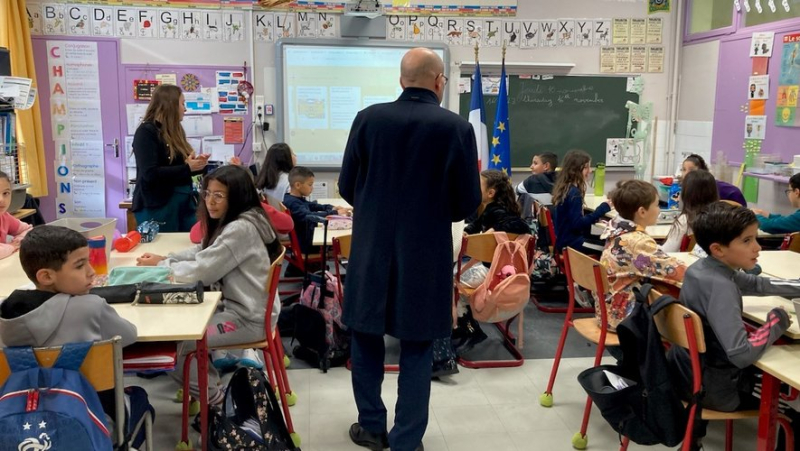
(420, 67)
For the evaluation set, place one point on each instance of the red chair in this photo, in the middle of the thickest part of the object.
(791, 242)
(680, 326)
(688, 243)
(546, 224)
(590, 275)
(295, 257)
(272, 349)
(481, 247)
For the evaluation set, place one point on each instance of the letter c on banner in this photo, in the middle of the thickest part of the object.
(53, 51)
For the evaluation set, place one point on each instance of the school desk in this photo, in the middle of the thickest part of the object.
(153, 322)
(779, 363)
(756, 308)
(686, 257)
(318, 231)
(781, 264)
(24, 213)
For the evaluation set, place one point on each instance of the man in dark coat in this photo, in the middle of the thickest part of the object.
(410, 170)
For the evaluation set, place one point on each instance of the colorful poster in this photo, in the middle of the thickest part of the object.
(102, 21)
(566, 33)
(761, 43)
(529, 34)
(263, 26)
(78, 20)
(789, 82)
(230, 102)
(511, 33)
(602, 32)
(759, 87)
(327, 25)
(657, 6)
(491, 36)
(583, 33)
(34, 11)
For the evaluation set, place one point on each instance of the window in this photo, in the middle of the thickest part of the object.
(710, 15)
(766, 16)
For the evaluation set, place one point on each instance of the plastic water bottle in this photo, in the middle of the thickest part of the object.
(98, 260)
(599, 179)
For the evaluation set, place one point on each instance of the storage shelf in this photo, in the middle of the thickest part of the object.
(771, 177)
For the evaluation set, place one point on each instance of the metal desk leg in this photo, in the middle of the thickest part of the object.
(768, 412)
(202, 380)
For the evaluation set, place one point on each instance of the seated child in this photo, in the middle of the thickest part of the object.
(543, 175)
(698, 189)
(301, 185)
(9, 225)
(499, 211)
(713, 288)
(60, 310)
(777, 223)
(234, 257)
(573, 228)
(631, 255)
(726, 191)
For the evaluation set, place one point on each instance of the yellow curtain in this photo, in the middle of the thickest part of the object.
(16, 36)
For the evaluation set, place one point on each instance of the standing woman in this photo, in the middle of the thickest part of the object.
(273, 178)
(165, 164)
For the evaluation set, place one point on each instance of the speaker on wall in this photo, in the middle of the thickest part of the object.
(5, 62)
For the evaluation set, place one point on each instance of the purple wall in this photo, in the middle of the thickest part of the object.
(735, 66)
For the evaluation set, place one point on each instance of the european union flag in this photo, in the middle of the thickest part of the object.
(500, 149)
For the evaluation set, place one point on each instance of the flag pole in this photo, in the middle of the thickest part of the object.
(477, 49)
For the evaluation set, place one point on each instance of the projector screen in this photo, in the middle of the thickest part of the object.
(322, 85)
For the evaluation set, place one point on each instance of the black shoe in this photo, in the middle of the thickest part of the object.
(446, 368)
(478, 337)
(367, 439)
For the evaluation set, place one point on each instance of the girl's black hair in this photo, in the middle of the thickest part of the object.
(503, 191)
(698, 161)
(242, 196)
(277, 160)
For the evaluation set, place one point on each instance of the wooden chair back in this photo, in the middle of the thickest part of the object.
(672, 325)
(791, 242)
(98, 367)
(587, 272)
(688, 243)
(341, 246)
(732, 202)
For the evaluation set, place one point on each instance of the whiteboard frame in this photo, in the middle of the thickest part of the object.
(282, 44)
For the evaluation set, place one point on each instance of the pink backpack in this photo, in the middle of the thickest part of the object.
(507, 288)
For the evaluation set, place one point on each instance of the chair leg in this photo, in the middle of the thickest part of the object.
(728, 435)
(148, 431)
(579, 441)
(546, 398)
(623, 446)
(788, 432)
(278, 346)
(282, 395)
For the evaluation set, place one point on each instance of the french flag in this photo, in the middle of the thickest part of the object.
(477, 117)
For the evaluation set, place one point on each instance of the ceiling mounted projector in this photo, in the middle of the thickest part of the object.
(364, 8)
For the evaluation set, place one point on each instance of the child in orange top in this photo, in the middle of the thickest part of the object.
(630, 254)
(9, 225)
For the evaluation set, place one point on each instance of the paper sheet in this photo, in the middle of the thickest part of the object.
(198, 102)
(130, 159)
(23, 86)
(216, 147)
(135, 113)
(198, 125)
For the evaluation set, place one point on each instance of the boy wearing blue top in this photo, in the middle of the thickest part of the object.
(778, 223)
(301, 185)
(713, 288)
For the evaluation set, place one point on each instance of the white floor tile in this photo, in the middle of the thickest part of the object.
(455, 420)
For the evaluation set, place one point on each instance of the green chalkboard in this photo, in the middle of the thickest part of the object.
(563, 113)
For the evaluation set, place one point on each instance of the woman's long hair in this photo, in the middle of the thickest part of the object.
(571, 175)
(503, 191)
(242, 197)
(164, 108)
(277, 160)
(698, 189)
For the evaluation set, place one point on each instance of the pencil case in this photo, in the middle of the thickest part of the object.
(168, 293)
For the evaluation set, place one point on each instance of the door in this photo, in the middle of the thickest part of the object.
(111, 107)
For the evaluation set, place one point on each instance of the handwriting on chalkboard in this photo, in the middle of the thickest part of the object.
(549, 96)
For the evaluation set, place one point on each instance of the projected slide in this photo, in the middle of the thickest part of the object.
(324, 87)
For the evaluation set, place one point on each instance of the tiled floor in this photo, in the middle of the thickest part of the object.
(487, 409)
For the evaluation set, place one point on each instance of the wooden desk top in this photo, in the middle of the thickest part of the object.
(126, 204)
(23, 213)
(755, 308)
(783, 362)
(781, 264)
(686, 257)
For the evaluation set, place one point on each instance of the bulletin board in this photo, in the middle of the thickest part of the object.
(206, 77)
(732, 96)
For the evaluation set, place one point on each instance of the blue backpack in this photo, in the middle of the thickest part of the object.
(50, 408)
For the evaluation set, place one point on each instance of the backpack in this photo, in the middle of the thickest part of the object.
(504, 293)
(50, 408)
(324, 340)
(250, 417)
(648, 411)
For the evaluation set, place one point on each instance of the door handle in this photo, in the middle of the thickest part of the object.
(115, 145)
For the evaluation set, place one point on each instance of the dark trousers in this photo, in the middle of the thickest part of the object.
(413, 388)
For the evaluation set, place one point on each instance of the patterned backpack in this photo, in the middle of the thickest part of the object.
(250, 418)
(50, 408)
(318, 327)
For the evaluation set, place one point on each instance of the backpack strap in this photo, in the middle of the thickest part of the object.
(20, 358)
(72, 355)
(660, 303)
